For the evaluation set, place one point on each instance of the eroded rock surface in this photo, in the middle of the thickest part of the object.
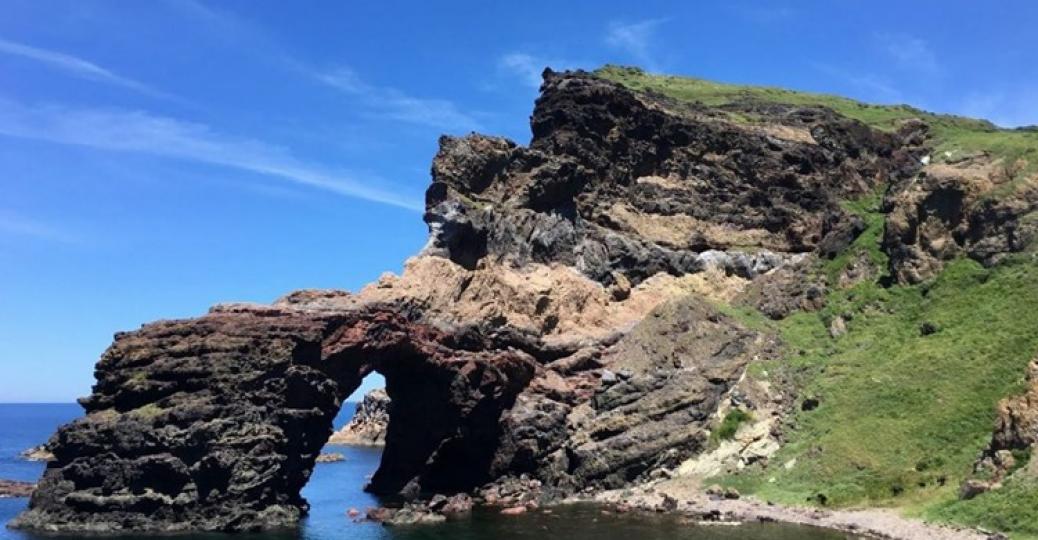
(618, 182)
(951, 210)
(215, 423)
(369, 423)
(15, 489)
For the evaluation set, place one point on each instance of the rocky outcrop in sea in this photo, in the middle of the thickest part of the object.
(369, 423)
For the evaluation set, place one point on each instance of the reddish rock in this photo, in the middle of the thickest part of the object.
(15, 489)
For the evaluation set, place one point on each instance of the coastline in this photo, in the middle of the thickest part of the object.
(681, 498)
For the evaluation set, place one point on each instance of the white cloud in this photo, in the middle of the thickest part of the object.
(636, 40)
(910, 53)
(135, 131)
(76, 66)
(527, 67)
(378, 101)
(387, 102)
(15, 225)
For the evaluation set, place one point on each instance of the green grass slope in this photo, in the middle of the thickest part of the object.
(902, 413)
(956, 136)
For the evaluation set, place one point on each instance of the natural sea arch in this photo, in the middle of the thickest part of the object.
(215, 423)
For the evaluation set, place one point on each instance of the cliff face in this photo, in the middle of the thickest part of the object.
(619, 183)
(562, 324)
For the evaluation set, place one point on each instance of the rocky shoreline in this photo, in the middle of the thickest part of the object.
(679, 499)
(10, 489)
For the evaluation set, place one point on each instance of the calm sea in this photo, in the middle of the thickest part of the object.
(337, 487)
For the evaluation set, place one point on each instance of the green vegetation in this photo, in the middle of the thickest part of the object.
(867, 244)
(730, 425)
(902, 415)
(1013, 508)
(906, 397)
(148, 411)
(956, 136)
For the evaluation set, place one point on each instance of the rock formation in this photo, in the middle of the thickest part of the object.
(559, 332)
(369, 423)
(14, 489)
(947, 211)
(37, 453)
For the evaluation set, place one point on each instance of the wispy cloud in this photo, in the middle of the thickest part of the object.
(527, 67)
(910, 53)
(866, 86)
(77, 67)
(382, 102)
(1007, 107)
(388, 102)
(16, 225)
(135, 131)
(636, 39)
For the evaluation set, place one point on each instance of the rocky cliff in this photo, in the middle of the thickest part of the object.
(569, 326)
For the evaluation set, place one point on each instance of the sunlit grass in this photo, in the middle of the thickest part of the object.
(956, 137)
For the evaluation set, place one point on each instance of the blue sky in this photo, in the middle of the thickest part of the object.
(159, 157)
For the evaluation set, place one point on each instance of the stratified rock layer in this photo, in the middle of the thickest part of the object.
(558, 332)
(215, 423)
(14, 489)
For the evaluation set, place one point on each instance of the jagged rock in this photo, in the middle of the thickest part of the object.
(330, 457)
(972, 487)
(668, 374)
(215, 423)
(369, 423)
(15, 489)
(789, 288)
(38, 453)
(947, 211)
(1016, 429)
(615, 181)
(407, 515)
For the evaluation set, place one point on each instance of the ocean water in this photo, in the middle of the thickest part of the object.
(334, 488)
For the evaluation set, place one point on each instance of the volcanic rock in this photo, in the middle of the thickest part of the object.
(369, 423)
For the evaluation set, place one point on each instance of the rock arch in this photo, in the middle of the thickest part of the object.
(215, 423)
